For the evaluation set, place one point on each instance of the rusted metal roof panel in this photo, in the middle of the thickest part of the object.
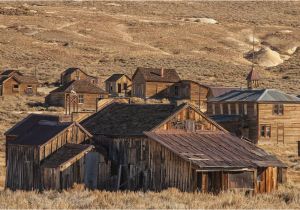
(215, 149)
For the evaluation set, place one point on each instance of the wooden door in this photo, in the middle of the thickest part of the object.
(280, 133)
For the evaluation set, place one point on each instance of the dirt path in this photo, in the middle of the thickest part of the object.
(122, 30)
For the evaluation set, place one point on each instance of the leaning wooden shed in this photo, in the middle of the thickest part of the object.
(33, 140)
(65, 167)
(210, 161)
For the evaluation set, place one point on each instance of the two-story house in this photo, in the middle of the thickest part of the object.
(262, 115)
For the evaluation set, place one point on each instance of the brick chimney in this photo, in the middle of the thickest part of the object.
(162, 72)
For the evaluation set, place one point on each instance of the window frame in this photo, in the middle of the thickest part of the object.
(278, 109)
(264, 128)
(81, 99)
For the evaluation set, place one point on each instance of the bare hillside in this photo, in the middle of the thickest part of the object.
(206, 41)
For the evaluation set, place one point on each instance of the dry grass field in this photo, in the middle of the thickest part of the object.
(205, 41)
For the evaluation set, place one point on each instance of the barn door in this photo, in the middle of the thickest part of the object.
(280, 133)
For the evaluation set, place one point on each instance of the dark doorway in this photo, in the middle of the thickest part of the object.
(119, 88)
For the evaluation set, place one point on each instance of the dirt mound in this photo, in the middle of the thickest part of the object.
(201, 20)
(265, 57)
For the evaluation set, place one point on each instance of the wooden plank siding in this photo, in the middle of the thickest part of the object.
(7, 88)
(289, 120)
(24, 161)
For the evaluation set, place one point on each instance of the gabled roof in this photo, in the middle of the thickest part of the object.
(79, 86)
(28, 122)
(214, 149)
(128, 119)
(116, 77)
(20, 78)
(10, 72)
(217, 91)
(253, 75)
(154, 75)
(72, 70)
(120, 119)
(26, 79)
(66, 155)
(37, 129)
(40, 133)
(256, 95)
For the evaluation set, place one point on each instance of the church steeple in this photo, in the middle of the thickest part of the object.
(253, 79)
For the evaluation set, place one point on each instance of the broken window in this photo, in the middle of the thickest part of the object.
(278, 109)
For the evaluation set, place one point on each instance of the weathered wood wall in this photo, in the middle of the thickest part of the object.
(23, 162)
(22, 171)
(284, 128)
(112, 87)
(54, 178)
(7, 88)
(78, 75)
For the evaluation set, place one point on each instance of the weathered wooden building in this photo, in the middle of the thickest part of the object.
(153, 82)
(192, 92)
(262, 115)
(44, 153)
(210, 161)
(77, 95)
(13, 82)
(75, 73)
(118, 85)
(135, 158)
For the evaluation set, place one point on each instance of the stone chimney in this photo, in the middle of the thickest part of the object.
(162, 72)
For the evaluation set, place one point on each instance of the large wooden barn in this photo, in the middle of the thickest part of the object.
(118, 85)
(153, 82)
(136, 156)
(77, 95)
(44, 153)
(75, 73)
(262, 115)
(13, 82)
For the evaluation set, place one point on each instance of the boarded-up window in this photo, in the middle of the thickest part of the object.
(243, 179)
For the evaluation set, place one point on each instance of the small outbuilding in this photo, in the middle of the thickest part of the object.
(118, 85)
(13, 82)
(77, 95)
(44, 153)
(75, 73)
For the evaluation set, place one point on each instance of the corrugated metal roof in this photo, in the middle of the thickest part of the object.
(215, 149)
(255, 95)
